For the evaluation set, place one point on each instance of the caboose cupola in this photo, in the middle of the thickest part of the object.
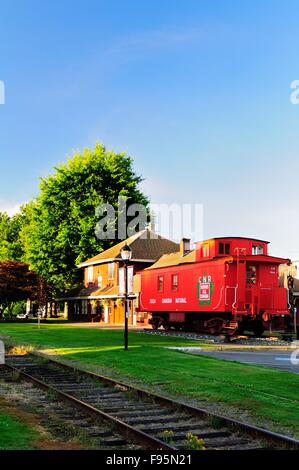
(230, 246)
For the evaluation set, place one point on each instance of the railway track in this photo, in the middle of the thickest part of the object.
(150, 420)
(220, 338)
(69, 428)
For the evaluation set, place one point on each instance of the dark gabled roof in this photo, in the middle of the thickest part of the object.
(146, 246)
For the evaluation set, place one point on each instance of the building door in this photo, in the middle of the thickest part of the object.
(119, 313)
(111, 313)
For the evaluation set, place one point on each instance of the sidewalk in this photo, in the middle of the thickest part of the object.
(106, 326)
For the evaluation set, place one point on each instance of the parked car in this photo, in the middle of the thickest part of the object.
(22, 316)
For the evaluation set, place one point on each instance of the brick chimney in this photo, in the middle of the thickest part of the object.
(185, 246)
(152, 222)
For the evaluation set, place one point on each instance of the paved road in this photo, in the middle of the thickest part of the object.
(279, 359)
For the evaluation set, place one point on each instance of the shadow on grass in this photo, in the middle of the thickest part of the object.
(267, 393)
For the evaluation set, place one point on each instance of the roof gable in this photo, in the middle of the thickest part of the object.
(146, 246)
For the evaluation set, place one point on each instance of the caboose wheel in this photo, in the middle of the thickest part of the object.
(214, 326)
(156, 323)
(258, 329)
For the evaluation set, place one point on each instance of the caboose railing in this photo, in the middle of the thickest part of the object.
(220, 299)
(265, 298)
(235, 302)
(226, 291)
(257, 298)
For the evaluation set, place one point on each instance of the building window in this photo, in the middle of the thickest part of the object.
(100, 281)
(174, 282)
(160, 283)
(257, 250)
(84, 307)
(90, 275)
(111, 270)
(205, 250)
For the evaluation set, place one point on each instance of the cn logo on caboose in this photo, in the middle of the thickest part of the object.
(205, 289)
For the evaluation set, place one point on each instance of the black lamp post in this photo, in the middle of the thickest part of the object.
(126, 255)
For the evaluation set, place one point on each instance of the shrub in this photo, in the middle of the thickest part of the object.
(193, 442)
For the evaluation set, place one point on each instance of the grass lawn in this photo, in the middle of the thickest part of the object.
(15, 435)
(266, 396)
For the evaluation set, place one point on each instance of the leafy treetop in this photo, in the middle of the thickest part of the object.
(17, 282)
(60, 224)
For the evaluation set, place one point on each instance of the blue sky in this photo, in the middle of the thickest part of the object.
(197, 92)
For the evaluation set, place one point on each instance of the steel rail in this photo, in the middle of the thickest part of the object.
(127, 430)
(232, 423)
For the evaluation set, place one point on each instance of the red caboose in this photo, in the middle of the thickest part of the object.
(225, 284)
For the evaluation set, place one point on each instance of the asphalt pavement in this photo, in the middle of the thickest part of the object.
(279, 359)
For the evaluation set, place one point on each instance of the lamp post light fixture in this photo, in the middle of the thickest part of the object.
(126, 255)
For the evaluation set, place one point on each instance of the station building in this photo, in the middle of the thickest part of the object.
(289, 278)
(101, 298)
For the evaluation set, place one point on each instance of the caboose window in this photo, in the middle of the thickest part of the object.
(224, 248)
(251, 275)
(160, 284)
(174, 282)
(205, 250)
(257, 250)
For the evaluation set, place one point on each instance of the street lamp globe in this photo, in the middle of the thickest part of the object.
(126, 253)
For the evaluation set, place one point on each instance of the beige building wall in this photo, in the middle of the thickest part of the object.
(285, 271)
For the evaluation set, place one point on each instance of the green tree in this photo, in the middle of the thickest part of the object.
(61, 222)
(11, 246)
(17, 283)
(4, 229)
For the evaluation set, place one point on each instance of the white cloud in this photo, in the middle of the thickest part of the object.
(160, 38)
(11, 208)
(157, 39)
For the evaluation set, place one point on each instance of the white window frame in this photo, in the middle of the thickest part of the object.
(111, 272)
(90, 274)
(257, 249)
